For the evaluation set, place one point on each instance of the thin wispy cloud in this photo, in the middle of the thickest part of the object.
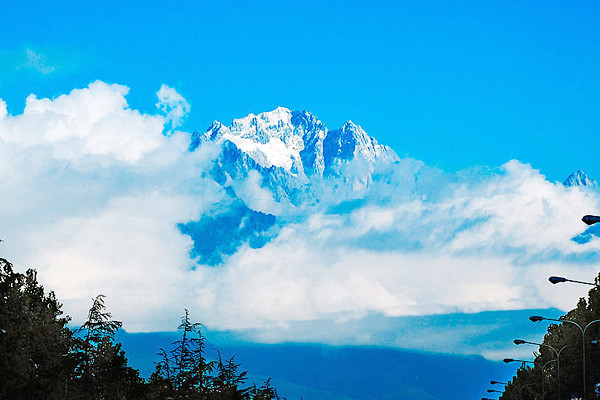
(38, 62)
(173, 105)
(93, 193)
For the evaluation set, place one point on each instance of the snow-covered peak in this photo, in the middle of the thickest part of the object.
(580, 178)
(214, 130)
(298, 142)
(268, 138)
(362, 140)
(351, 141)
(351, 126)
(276, 124)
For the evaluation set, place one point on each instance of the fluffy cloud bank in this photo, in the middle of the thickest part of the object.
(92, 192)
(489, 245)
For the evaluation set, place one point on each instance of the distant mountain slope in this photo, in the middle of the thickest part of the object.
(320, 372)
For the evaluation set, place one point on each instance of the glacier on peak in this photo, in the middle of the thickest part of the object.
(267, 138)
(297, 141)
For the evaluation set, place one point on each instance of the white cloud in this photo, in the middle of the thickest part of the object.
(173, 105)
(484, 245)
(94, 121)
(3, 109)
(255, 196)
(38, 62)
(92, 192)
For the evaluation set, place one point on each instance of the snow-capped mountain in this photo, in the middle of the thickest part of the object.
(290, 148)
(268, 138)
(580, 178)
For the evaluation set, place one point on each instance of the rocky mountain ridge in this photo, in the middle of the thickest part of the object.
(580, 178)
(289, 148)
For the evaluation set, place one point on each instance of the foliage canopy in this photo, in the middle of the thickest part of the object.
(41, 358)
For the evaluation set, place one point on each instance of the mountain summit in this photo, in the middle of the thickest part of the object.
(297, 141)
(290, 155)
(580, 178)
(291, 148)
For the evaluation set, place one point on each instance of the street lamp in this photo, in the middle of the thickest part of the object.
(523, 387)
(559, 279)
(496, 382)
(537, 318)
(494, 391)
(590, 219)
(508, 360)
(557, 353)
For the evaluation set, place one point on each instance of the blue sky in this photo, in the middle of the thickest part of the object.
(455, 84)
(444, 256)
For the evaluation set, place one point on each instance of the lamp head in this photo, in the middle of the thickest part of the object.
(518, 341)
(536, 318)
(557, 279)
(508, 360)
(590, 219)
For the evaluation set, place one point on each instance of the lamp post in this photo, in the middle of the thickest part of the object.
(537, 318)
(590, 219)
(509, 360)
(522, 387)
(557, 353)
(559, 279)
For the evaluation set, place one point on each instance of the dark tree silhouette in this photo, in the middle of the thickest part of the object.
(184, 372)
(41, 358)
(101, 371)
(227, 383)
(567, 338)
(34, 338)
(264, 392)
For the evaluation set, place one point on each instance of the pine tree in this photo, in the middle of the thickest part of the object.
(184, 372)
(41, 358)
(227, 382)
(102, 371)
(264, 392)
(34, 338)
